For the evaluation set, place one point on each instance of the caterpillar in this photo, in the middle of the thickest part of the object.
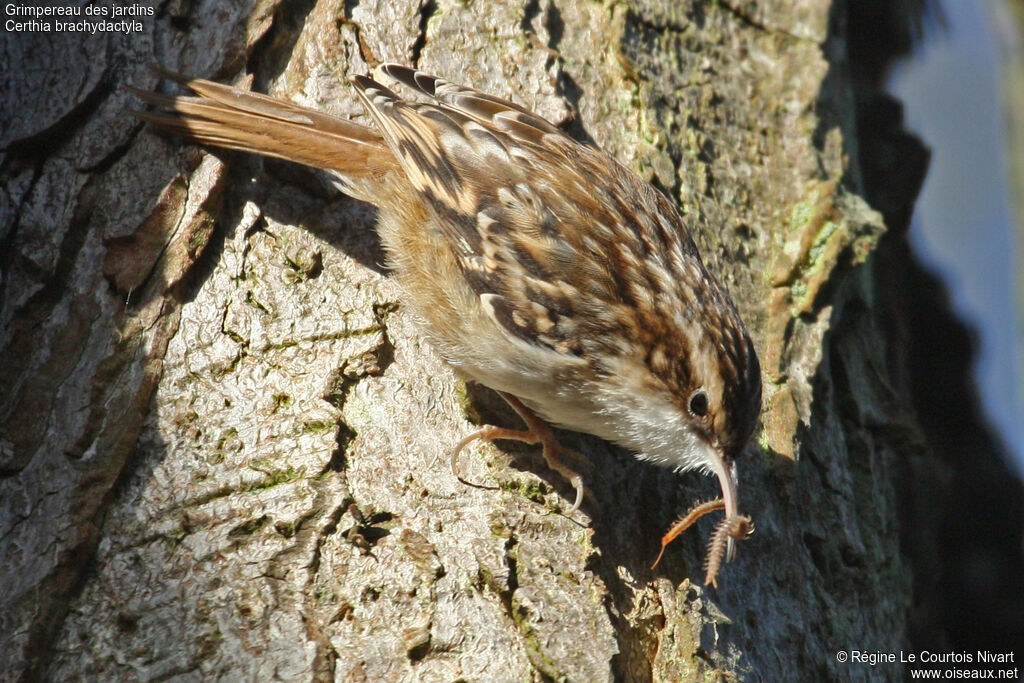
(736, 527)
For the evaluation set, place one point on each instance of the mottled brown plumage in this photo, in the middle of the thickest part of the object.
(538, 266)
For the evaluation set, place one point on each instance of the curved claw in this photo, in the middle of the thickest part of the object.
(577, 483)
(479, 434)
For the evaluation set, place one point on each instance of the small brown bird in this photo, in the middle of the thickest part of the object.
(538, 266)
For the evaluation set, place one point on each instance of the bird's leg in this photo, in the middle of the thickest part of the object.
(537, 432)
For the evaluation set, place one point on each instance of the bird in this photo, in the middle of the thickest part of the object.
(535, 264)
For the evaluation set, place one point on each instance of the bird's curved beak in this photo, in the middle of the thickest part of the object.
(725, 468)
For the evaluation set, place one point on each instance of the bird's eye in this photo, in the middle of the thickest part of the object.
(699, 403)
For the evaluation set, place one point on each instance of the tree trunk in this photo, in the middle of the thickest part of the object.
(224, 448)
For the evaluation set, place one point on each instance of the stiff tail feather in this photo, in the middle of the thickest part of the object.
(222, 116)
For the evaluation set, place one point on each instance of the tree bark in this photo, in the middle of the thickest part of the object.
(224, 448)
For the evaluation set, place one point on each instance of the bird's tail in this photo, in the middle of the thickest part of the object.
(227, 117)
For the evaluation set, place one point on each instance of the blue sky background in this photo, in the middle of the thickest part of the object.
(952, 90)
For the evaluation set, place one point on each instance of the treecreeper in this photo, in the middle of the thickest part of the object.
(536, 265)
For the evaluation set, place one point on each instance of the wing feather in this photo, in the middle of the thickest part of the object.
(550, 269)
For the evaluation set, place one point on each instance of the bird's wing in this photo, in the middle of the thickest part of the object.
(547, 231)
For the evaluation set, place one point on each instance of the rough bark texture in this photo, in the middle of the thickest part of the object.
(224, 448)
